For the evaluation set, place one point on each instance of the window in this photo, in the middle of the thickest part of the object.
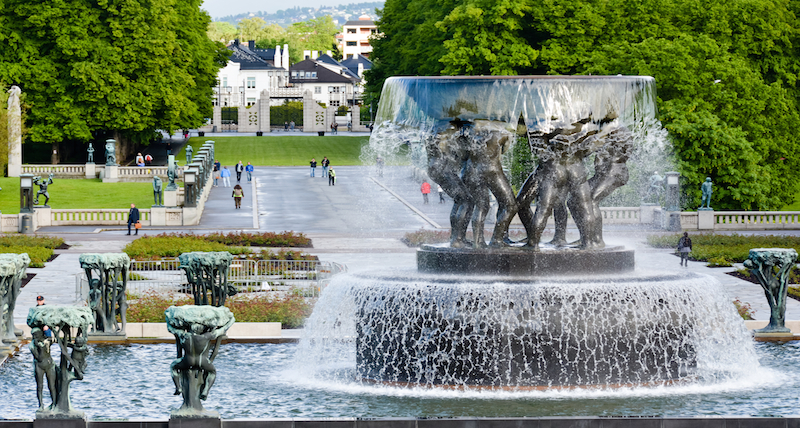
(351, 31)
(317, 89)
(251, 83)
(251, 101)
(352, 43)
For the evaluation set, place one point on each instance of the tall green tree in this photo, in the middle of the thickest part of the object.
(727, 72)
(121, 68)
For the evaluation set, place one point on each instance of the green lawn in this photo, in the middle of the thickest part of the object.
(793, 207)
(283, 151)
(79, 194)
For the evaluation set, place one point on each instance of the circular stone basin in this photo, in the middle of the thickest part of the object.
(548, 261)
(534, 333)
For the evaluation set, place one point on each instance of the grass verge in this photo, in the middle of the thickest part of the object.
(283, 151)
(291, 310)
(723, 250)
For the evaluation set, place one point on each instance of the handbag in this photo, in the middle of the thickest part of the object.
(138, 225)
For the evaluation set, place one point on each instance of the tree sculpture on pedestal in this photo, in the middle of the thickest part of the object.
(198, 334)
(61, 320)
(771, 266)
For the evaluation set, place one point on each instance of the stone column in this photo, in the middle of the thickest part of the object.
(14, 133)
(216, 119)
(263, 112)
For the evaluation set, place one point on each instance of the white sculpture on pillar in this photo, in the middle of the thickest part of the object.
(14, 133)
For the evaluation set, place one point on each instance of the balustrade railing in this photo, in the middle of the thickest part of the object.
(166, 276)
(109, 217)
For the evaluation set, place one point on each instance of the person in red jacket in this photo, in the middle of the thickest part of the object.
(426, 189)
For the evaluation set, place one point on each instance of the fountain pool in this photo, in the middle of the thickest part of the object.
(261, 381)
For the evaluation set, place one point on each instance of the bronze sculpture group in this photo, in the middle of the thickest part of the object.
(465, 161)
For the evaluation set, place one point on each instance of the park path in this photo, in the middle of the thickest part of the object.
(358, 222)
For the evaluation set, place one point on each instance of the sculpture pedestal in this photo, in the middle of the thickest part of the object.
(647, 213)
(523, 261)
(170, 198)
(705, 219)
(158, 216)
(111, 174)
(90, 170)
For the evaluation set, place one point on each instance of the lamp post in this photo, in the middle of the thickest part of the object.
(673, 191)
(189, 179)
(26, 193)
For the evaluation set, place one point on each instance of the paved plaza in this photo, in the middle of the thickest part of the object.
(358, 222)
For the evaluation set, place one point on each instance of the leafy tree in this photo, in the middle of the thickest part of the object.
(221, 31)
(739, 130)
(121, 69)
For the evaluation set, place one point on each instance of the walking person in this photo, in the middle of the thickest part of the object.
(685, 247)
(238, 194)
(313, 164)
(239, 171)
(325, 164)
(441, 193)
(133, 218)
(426, 189)
(226, 177)
(331, 177)
(216, 172)
(249, 169)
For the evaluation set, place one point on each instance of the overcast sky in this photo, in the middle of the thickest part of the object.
(220, 8)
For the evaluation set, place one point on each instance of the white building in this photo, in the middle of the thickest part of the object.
(355, 37)
(328, 80)
(250, 71)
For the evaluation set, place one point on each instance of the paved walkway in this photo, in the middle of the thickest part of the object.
(358, 222)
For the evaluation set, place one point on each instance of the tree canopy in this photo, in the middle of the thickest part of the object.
(317, 34)
(125, 68)
(726, 72)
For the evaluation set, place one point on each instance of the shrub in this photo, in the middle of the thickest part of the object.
(744, 309)
(51, 242)
(719, 262)
(734, 248)
(156, 247)
(290, 310)
(38, 255)
(266, 239)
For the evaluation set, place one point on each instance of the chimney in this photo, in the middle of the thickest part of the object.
(277, 56)
(314, 54)
(251, 45)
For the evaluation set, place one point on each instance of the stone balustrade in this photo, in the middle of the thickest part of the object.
(100, 217)
(621, 215)
(57, 170)
(740, 220)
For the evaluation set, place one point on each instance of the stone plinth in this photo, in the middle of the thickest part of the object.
(171, 198)
(158, 215)
(111, 174)
(705, 219)
(519, 261)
